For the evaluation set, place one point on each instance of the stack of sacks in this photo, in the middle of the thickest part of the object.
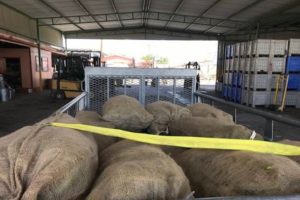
(137, 171)
(163, 113)
(207, 121)
(207, 111)
(295, 143)
(45, 162)
(209, 127)
(126, 113)
(94, 119)
(239, 173)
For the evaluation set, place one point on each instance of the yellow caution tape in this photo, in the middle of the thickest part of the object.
(191, 142)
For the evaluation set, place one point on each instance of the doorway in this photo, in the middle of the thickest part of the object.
(13, 73)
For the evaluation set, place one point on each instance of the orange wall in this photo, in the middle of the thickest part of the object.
(30, 76)
(35, 73)
(24, 55)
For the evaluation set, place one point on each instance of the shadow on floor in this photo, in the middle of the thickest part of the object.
(26, 109)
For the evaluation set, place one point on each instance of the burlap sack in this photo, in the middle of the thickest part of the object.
(209, 127)
(164, 112)
(45, 162)
(292, 142)
(126, 113)
(94, 119)
(138, 172)
(205, 110)
(239, 173)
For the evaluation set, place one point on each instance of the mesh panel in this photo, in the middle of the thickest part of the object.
(116, 86)
(132, 88)
(166, 89)
(145, 89)
(97, 94)
(184, 91)
(152, 92)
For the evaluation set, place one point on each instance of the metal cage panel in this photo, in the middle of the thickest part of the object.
(146, 85)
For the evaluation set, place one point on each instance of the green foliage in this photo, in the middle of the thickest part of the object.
(163, 60)
(148, 58)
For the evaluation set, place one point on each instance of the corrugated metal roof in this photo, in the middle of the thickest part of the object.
(191, 16)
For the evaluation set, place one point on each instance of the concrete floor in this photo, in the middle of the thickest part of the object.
(26, 109)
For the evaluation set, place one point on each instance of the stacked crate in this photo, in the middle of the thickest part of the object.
(251, 69)
(227, 77)
(264, 61)
(293, 69)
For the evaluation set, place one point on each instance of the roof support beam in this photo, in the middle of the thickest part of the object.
(203, 13)
(268, 15)
(82, 6)
(116, 12)
(183, 19)
(52, 8)
(234, 14)
(174, 12)
(146, 8)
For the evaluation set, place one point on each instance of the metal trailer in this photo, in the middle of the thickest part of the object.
(149, 85)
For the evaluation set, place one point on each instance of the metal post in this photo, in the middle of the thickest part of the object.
(235, 115)
(125, 84)
(269, 127)
(157, 83)
(174, 90)
(107, 88)
(40, 64)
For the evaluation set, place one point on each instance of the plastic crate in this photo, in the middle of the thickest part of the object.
(234, 93)
(293, 64)
(294, 47)
(279, 47)
(278, 64)
(262, 47)
(229, 92)
(294, 82)
(229, 78)
(231, 51)
(231, 63)
(290, 99)
(248, 48)
(237, 49)
(227, 53)
(245, 96)
(219, 86)
(259, 64)
(242, 48)
(247, 64)
(224, 91)
(240, 79)
(246, 80)
(225, 78)
(242, 64)
(235, 78)
(238, 95)
(259, 98)
(259, 81)
(226, 64)
(235, 66)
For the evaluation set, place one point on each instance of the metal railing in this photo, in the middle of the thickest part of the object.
(78, 103)
(270, 117)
